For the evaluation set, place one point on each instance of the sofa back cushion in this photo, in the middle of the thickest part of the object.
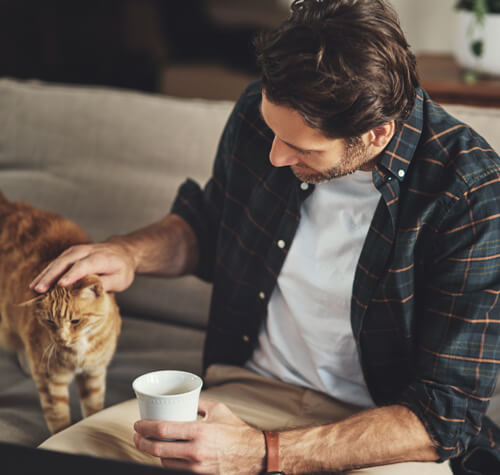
(111, 161)
(484, 121)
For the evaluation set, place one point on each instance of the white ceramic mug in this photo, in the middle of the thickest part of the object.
(168, 395)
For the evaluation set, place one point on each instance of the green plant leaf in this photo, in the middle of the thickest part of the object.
(480, 10)
(477, 48)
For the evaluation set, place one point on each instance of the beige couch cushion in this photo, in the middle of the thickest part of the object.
(112, 161)
(484, 121)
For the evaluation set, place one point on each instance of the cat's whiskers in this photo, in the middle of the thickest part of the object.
(50, 352)
(91, 328)
(46, 350)
(94, 326)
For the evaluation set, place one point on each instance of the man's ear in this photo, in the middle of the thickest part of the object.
(382, 135)
(30, 302)
(90, 287)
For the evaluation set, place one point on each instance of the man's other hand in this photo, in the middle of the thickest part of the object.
(218, 443)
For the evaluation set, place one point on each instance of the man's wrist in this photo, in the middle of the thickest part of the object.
(127, 247)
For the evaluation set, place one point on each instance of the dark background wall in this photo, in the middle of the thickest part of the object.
(171, 46)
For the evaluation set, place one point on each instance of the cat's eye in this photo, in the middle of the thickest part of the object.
(75, 322)
(50, 323)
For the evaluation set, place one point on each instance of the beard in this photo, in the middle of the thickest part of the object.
(354, 157)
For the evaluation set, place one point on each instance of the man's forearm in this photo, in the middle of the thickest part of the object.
(381, 436)
(168, 247)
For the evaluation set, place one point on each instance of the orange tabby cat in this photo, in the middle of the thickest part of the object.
(65, 333)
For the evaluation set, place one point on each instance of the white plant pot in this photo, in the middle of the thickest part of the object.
(489, 32)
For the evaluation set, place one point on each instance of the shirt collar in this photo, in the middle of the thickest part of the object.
(397, 156)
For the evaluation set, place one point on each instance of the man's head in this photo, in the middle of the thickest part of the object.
(314, 157)
(345, 67)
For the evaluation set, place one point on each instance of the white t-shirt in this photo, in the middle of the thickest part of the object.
(307, 337)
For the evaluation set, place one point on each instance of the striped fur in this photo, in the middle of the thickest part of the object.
(65, 333)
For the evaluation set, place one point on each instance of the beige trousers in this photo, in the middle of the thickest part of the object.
(262, 402)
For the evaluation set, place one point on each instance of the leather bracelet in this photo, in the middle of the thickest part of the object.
(273, 462)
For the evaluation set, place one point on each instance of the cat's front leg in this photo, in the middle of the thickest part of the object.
(54, 398)
(92, 389)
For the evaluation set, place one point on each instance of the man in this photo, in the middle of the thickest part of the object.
(350, 229)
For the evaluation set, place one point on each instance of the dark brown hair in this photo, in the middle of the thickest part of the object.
(344, 65)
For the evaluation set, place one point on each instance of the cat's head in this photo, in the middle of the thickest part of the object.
(71, 313)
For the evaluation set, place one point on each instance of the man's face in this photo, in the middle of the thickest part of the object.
(312, 157)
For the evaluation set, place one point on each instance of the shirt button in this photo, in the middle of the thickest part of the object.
(304, 186)
(281, 244)
(245, 338)
(262, 295)
(401, 173)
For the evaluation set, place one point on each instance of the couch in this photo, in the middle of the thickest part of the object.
(112, 161)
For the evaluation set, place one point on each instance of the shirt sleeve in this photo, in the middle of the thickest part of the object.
(458, 323)
(203, 208)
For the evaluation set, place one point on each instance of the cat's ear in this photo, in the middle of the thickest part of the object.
(89, 287)
(92, 291)
(30, 302)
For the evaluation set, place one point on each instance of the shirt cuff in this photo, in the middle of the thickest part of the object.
(189, 205)
(451, 418)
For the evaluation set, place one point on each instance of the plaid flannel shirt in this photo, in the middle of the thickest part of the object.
(425, 309)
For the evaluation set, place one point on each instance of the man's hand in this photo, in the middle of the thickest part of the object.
(112, 261)
(219, 443)
(168, 247)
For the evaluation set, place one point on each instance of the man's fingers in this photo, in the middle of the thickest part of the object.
(49, 275)
(166, 430)
(77, 271)
(40, 277)
(169, 450)
(205, 407)
(56, 268)
(216, 411)
(66, 270)
(36, 281)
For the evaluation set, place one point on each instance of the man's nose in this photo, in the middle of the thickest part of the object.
(282, 155)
